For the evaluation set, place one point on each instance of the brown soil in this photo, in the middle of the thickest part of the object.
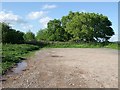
(68, 68)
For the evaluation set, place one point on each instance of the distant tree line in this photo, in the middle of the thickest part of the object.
(76, 26)
(13, 36)
(79, 27)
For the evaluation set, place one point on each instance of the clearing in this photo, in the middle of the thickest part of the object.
(68, 68)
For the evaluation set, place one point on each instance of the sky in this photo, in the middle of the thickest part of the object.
(33, 16)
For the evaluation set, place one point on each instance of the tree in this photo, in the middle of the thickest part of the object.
(103, 29)
(56, 32)
(76, 26)
(89, 27)
(29, 36)
(42, 34)
(10, 35)
(4, 28)
(66, 19)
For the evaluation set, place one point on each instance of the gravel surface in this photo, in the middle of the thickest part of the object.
(68, 68)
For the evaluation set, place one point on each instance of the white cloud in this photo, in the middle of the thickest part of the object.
(49, 6)
(43, 21)
(27, 26)
(36, 15)
(9, 17)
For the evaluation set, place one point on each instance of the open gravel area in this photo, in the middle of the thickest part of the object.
(67, 68)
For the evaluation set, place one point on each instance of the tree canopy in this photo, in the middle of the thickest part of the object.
(42, 34)
(29, 36)
(76, 26)
(80, 26)
(89, 27)
(55, 31)
(10, 35)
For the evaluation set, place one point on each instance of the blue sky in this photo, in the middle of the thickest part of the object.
(33, 16)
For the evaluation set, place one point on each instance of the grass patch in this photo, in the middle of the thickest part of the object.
(73, 45)
(81, 45)
(113, 46)
(14, 53)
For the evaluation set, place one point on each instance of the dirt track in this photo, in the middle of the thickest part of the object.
(68, 68)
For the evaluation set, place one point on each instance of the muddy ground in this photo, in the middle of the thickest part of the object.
(68, 68)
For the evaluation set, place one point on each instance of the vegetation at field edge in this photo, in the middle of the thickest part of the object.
(14, 53)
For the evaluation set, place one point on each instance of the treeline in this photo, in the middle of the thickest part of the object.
(76, 26)
(13, 36)
(79, 27)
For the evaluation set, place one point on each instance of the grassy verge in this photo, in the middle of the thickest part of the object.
(81, 45)
(14, 53)
(113, 46)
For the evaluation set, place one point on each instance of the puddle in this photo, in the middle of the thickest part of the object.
(20, 67)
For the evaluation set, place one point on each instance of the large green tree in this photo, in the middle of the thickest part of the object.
(78, 26)
(29, 36)
(56, 32)
(42, 34)
(89, 27)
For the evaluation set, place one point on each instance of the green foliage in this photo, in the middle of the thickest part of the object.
(113, 46)
(42, 35)
(82, 45)
(0, 33)
(13, 53)
(89, 27)
(5, 66)
(56, 32)
(73, 45)
(10, 35)
(29, 36)
(79, 27)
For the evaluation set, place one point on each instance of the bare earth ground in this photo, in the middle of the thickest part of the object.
(68, 68)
